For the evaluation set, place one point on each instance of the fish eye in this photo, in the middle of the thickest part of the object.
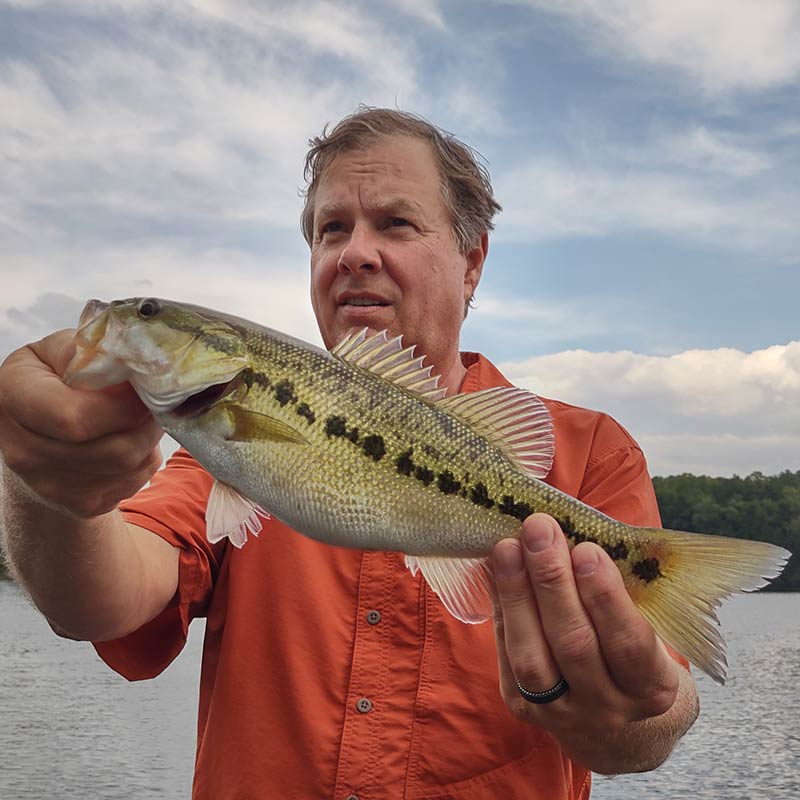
(148, 308)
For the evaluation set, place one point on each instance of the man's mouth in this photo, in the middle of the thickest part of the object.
(362, 301)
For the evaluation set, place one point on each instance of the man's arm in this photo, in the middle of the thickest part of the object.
(70, 458)
(569, 615)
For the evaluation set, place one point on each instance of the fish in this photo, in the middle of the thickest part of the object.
(361, 447)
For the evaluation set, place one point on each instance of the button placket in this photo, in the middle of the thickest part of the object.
(362, 735)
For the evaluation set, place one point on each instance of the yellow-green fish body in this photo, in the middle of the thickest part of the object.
(360, 448)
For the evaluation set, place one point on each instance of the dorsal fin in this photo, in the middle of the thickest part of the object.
(391, 361)
(514, 420)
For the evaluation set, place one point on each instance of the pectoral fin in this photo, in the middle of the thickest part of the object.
(231, 514)
(249, 426)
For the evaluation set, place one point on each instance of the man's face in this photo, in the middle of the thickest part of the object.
(384, 255)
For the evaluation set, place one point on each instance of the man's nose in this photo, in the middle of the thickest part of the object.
(361, 253)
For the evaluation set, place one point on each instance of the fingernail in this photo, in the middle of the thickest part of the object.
(508, 561)
(538, 534)
(585, 560)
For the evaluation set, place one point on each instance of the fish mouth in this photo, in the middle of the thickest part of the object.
(199, 403)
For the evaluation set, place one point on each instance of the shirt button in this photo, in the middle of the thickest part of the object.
(364, 705)
(374, 617)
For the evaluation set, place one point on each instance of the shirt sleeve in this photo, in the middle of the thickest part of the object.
(173, 506)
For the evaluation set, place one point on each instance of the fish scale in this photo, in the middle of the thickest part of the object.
(360, 448)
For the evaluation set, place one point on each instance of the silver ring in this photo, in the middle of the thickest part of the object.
(540, 698)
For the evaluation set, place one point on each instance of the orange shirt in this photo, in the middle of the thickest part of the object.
(333, 673)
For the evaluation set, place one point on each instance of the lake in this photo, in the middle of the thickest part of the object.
(71, 728)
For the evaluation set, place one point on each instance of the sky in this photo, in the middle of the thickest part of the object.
(647, 157)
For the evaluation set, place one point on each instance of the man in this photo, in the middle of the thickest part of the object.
(330, 672)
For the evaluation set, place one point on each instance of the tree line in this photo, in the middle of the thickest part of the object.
(754, 507)
(764, 507)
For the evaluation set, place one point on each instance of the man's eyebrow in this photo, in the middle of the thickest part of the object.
(327, 210)
(398, 205)
(395, 204)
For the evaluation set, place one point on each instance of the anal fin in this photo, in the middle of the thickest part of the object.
(464, 585)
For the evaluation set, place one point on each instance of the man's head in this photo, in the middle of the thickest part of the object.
(465, 183)
(396, 244)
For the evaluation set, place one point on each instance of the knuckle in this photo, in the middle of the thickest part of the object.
(603, 591)
(528, 670)
(660, 700)
(154, 462)
(146, 473)
(73, 427)
(516, 601)
(627, 647)
(552, 574)
(128, 456)
(578, 645)
(520, 709)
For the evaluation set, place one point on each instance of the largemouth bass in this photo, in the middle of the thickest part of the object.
(360, 447)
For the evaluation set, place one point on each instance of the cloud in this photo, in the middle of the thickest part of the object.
(719, 45)
(539, 323)
(426, 10)
(550, 198)
(702, 150)
(274, 294)
(707, 410)
(191, 111)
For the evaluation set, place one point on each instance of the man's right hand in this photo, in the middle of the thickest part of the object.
(71, 457)
(78, 451)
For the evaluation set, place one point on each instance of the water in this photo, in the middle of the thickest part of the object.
(71, 728)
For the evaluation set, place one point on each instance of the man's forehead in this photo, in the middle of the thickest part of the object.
(392, 157)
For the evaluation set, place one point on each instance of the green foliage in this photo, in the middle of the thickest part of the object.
(755, 507)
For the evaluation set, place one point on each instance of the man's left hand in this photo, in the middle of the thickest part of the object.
(568, 614)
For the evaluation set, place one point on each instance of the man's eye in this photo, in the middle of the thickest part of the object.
(331, 227)
(399, 222)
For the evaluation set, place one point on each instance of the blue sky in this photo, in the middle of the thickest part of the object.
(647, 156)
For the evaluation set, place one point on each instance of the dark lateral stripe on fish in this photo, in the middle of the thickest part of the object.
(648, 569)
(424, 475)
(617, 551)
(447, 482)
(479, 495)
(372, 445)
(250, 377)
(284, 392)
(304, 410)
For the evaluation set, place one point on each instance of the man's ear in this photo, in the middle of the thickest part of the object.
(475, 259)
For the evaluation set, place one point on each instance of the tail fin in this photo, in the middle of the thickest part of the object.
(697, 572)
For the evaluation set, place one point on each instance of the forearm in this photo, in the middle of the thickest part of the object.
(641, 745)
(97, 578)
